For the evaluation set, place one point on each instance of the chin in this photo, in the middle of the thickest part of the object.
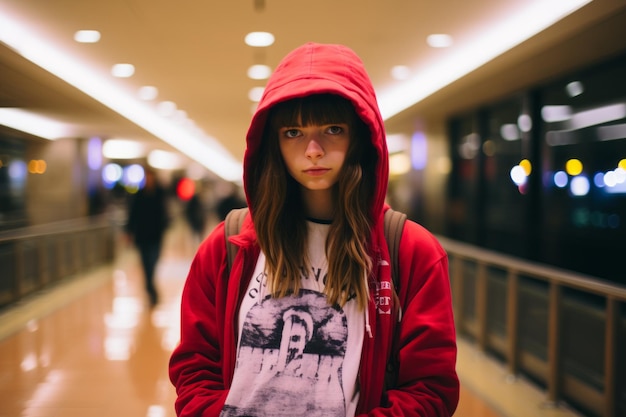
(318, 186)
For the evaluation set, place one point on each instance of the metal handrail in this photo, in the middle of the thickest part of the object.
(557, 279)
(33, 257)
(562, 277)
(64, 226)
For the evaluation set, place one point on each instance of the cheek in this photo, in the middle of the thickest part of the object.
(287, 154)
(288, 149)
(340, 153)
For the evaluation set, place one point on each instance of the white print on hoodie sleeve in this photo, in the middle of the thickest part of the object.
(297, 355)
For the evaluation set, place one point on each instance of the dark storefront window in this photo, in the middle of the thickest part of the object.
(584, 181)
(464, 191)
(542, 174)
(507, 167)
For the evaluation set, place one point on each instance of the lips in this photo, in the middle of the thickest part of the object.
(316, 171)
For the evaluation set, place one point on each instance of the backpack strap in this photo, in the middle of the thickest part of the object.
(232, 226)
(394, 225)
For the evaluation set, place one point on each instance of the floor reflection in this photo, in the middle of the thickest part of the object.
(104, 353)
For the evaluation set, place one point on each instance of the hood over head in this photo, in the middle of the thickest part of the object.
(317, 69)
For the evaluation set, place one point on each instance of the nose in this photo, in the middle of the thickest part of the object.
(314, 150)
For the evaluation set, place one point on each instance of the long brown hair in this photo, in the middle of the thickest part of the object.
(279, 216)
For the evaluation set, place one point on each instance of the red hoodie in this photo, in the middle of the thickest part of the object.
(202, 365)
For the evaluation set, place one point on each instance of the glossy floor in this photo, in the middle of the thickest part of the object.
(92, 348)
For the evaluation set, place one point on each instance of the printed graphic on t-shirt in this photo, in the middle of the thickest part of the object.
(293, 349)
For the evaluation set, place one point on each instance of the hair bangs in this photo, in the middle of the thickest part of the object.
(317, 109)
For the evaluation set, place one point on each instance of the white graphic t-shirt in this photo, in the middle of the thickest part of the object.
(297, 355)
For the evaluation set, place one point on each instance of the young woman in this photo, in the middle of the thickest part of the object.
(307, 319)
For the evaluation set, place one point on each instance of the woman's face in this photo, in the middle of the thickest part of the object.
(314, 154)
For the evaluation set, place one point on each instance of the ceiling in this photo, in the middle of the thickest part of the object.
(194, 53)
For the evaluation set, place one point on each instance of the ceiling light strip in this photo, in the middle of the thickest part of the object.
(519, 26)
(204, 149)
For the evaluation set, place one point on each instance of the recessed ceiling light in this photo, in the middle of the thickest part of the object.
(123, 70)
(87, 36)
(400, 72)
(166, 108)
(256, 93)
(259, 39)
(259, 72)
(148, 92)
(439, 40)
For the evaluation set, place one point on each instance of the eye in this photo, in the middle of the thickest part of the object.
(335, 130)
(290, 133)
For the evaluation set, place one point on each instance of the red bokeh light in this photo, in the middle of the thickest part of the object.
(185, 189)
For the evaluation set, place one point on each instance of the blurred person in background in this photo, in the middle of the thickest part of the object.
(196, 216)
(97, 201)
(230, 201)
(147, 221)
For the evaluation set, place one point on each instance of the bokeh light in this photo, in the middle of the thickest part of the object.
(573, 167)
(560, 179)
(527, 166)
(37, 166)
(518, 175)
(598, 179)
(185, 189)
(579, 186)
(133, 176)
(111, 174)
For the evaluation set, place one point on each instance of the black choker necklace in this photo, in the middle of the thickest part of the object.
(319, 221)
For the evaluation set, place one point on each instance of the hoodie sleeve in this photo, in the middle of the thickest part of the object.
(428, 385)
(195, 366)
